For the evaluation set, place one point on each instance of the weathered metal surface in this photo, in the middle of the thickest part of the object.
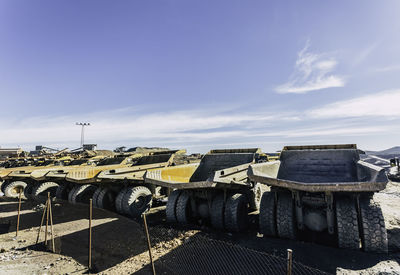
(138, 169)
(217, 169)
(333, 168)
(127, 168)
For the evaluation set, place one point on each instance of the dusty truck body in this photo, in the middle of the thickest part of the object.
(21, 178)
(325, 189)
(115, 183)
(47, 179)
(10, 165)
(215, 190)
(14, 178)
(126, 186)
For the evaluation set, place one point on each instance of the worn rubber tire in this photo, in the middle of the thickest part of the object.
(285, 217)
(236, 213)
(170, 210)
(11, 189)
(347, 224)
(95, 196)
(217, 212)
(28, 191)
(267, 217)
(40, 190)
(106, 199)
(373, 230)
(118, 200)
(136, 201)
(1, 185)
(83, 193)
(255, 197)
(72, 192)
(63, 191)
(183, 209)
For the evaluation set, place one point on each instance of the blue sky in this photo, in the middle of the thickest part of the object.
(200, 74)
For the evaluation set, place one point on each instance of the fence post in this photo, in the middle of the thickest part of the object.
(90, 236)
(51, 223)
(149, 243)
(289, 262)
(19, 210)
(47, 219)
(41, 223)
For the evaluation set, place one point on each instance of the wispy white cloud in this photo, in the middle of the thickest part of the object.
(382, 104)
(363, 54)
(202, 129)
(312, 72)
(386, 69)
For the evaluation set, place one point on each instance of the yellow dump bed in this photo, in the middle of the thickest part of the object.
(137, 170)
(218, 168)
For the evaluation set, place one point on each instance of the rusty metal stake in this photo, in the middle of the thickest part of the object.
(289, 262)
(19, 210)
(90, 235)
(148, 243)
(47, 219)
(41, 223)
(51, 223)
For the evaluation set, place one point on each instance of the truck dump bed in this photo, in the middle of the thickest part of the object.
(218, 168)
(139, 168)
(322, 168)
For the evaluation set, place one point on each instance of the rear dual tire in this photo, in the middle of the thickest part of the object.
(13, 189)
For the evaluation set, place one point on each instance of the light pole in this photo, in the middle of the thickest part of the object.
(83, 124)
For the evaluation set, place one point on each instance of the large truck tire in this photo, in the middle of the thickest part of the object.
(236, 213)
(183, 209)
(83, 193)
(95, 196)
(118, 200)
(137, 200)
(347, 224)
(217, 212)
(170, 210)
(106, 199)
(13, 189)
(373, 230)
(40, 190)
(267, 216)
(28, 191)
(63, 191)
(285, 217)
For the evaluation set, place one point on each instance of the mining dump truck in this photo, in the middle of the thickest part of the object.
(117, 183)
(19, 178)
(9, 165)
(323, 188)
(127, 188)
(216, 190)
(48, 179)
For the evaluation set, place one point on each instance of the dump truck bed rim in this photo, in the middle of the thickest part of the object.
(321, 187)
(194, 185)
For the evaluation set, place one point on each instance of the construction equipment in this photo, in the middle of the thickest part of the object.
(126, 187)
(19, 178)
(394, 172)
(323, 188)
(215, 190)
(117, 183)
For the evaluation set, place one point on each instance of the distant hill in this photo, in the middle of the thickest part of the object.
(391, 151)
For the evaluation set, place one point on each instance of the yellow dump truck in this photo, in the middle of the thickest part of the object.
(117, 184)
(216, 190)
(326, 191)
(18, 178)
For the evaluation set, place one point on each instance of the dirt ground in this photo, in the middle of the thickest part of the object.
(120, 246)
